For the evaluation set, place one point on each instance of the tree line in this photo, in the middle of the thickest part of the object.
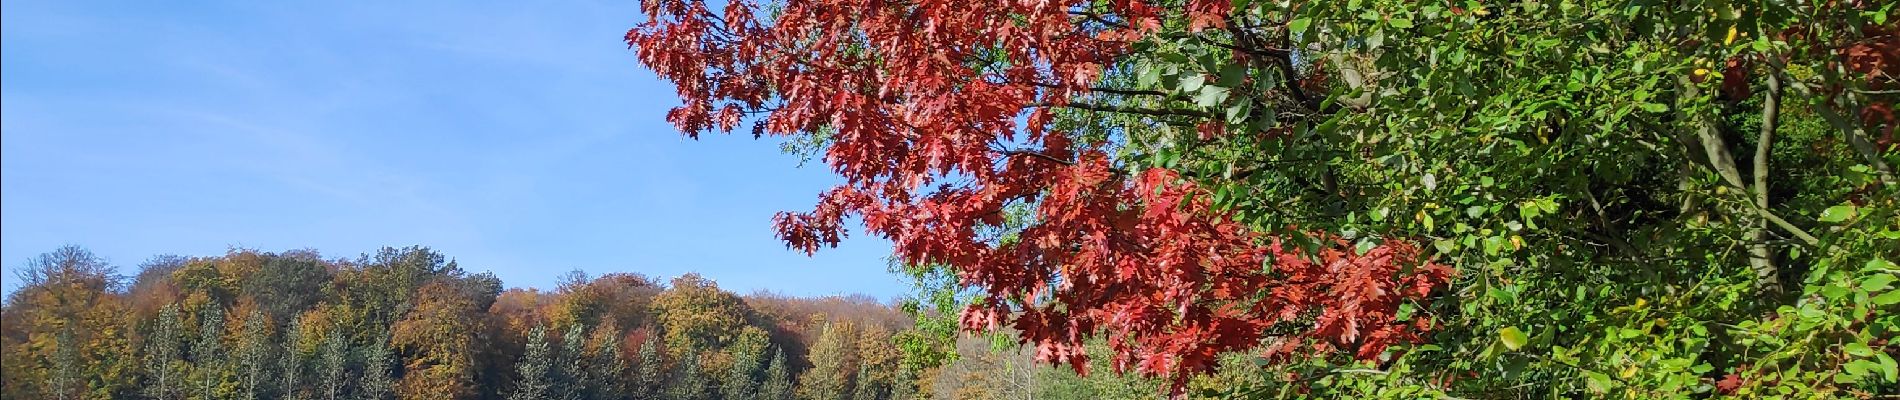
(411, 323)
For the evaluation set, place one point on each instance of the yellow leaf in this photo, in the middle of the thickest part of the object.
(1731, 36)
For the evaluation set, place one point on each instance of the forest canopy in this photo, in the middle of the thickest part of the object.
(411, 323)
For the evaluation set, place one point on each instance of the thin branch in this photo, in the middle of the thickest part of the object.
(1099, 18)
(1858, 140)
(1035, 154)
(1110, 90)
(1162, 112)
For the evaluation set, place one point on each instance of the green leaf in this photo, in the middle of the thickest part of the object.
(1401, 23)
(1859, 349)
(1299, 25)
(1211, 96)
(1887, 299)
(1654, 107)
(1838, 213)
(1888, 368)
(1232, 74)
(1598, 382)
(1877, 282)
(1512, 337)
(1445, 246)
(1193, 82)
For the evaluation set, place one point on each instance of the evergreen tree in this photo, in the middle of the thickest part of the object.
(377, 384)
(905, 386)
(291, 365)
(162, 355)
(778, 379)
(748, 356)
(688, 383)
(649, 378)
(868, 389)
(570, 381)
(607, 365)
(833, 364)
(253, 356)
(333, 365)
(535, 367)
(208, 352)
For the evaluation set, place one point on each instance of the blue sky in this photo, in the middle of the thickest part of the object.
(517, 137)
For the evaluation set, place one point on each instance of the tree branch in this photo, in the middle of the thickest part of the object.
(1759, 256)
(1034, 154)
(1857, 139)
(1110, 90)
(1162, 112)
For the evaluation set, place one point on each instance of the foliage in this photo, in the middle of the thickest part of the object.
(1638, 200)
(1135, 248)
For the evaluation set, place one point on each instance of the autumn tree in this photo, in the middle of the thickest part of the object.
(1299, 180)
(697, 315)
(933, 151)
(878, 364)
(65, 322)
(62, 377)
(440, 336)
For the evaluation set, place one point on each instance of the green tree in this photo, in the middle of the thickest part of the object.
(570, 380)
(163, 355)
(287, 285)
(834, 364)
(333, 365)
(650, 376)
(536, 369)
(688, 382)
(291, 366)
(748, 353)
(778, 384)
(607, 366)
(253, 356)
(208, 354)
(377, 382)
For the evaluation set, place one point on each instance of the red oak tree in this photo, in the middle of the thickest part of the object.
(937, 114)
